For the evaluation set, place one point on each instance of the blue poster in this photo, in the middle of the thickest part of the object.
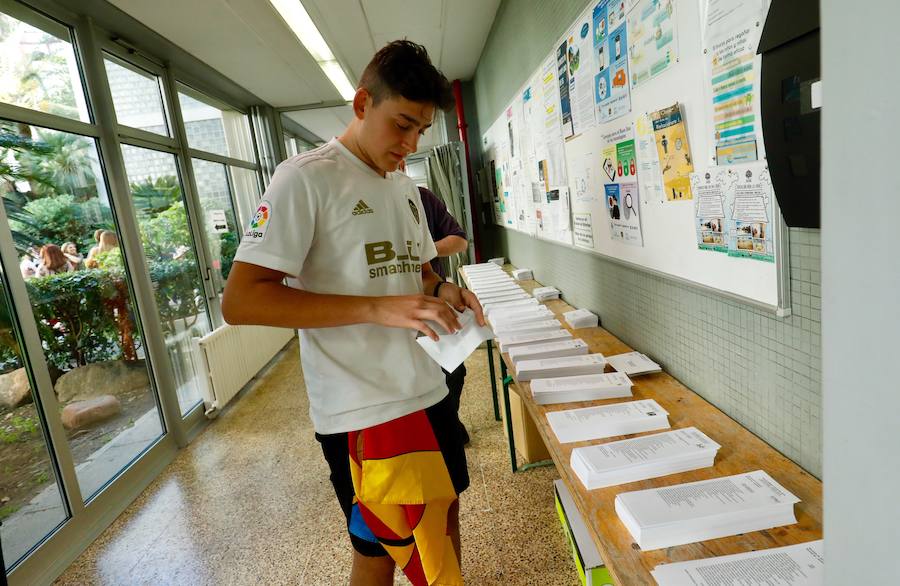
(612, 94)
(562, 76)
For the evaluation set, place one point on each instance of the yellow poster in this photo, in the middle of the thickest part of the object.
(675, 160)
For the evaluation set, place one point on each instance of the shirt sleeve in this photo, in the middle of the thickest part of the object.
(444, 222)
(283, 228)
(429, 251)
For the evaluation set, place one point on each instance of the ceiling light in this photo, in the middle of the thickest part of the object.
(296, 17)
(336, 74)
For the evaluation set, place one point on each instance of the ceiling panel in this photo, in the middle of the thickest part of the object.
(323, 122)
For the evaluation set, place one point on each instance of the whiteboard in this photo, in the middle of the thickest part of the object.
(668, 227)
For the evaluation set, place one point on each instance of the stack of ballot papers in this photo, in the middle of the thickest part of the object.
(494, 288)
(641, 458)
(548, 350)
(581, 318)
(533, 309)
(522, 274)
(504, 320)
(590, 423)
(521, 328)
(708, 509)
(451, 350)
(567, 366)
(802, 564)
(509, 341)
(495, 305)
(633, 364)
(588, 387)
(500, 296)
(499, 261)
(545, 293)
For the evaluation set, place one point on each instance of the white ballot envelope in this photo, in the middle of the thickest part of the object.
(451, 350)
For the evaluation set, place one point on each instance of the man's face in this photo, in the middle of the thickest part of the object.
(391, 130)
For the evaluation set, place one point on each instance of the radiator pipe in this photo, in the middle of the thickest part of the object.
(463, 136)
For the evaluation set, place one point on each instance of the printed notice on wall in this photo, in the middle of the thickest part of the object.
(583, 229)
(611, 85)
(709, 190)
(652, 45)
(621, 193)
(674, 152)
(750, 206)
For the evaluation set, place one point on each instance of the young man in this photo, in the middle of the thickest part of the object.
(351, 236)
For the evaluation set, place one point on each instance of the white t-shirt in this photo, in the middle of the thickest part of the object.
(336, 226)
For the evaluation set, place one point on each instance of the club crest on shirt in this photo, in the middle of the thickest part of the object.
(414, 209)
(259, 223)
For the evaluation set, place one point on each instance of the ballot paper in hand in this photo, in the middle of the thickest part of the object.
(589, 423)
(802, 564)
(451, 350)
(708, 509)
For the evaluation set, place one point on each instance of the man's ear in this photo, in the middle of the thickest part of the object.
(362, 101)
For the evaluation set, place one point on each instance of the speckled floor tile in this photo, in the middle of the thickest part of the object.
(249, 502)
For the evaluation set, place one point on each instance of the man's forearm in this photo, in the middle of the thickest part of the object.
(451, 245)
(272, 303)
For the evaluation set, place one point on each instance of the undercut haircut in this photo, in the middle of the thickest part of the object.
(403, 68)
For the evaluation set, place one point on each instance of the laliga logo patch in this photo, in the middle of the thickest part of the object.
(414, 210)
(260, 222)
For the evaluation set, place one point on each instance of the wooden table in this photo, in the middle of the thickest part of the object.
(741, 451)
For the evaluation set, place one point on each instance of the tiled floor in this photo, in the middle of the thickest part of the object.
(249, 502)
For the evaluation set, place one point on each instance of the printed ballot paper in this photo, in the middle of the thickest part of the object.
(588, 387)
(642, 458)
(556, 349)
(566, 366)
(802, 564)
(633, 364)
(589, 423)
(510, 341)
(708, 509)
(451, 350)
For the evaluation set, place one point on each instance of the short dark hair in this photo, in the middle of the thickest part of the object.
(403, 68)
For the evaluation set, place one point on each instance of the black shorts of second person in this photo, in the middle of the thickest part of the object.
(446, 430)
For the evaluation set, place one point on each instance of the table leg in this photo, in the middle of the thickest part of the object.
(493, 374)
(509, 426)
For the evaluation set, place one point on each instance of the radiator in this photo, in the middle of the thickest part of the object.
(232, 355)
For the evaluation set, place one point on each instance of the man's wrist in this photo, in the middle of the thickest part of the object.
(437, 287)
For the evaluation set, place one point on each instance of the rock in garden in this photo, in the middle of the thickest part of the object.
(86, 413)
(101, 378)
(14, 389)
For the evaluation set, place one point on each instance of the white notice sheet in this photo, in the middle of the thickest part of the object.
(802, 564)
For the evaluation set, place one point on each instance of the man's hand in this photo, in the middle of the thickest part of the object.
(460, 299)
(412, 311)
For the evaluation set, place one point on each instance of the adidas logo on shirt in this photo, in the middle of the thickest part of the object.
(361, 208)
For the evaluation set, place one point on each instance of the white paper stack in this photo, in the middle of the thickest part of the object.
(494, 305)
(481, 269)
(590, 423)
(641, 458)
(509, 341)
(496, 288)
(501, 296)
(522, 274)
(545, 293)
(708, 509)
(499, 261)
(587, 387)
(633, 364)
(506, 319)
(533, 310)
(802, 564)
(567, 366)
(581, 318)
(548, 350)
(533, 326)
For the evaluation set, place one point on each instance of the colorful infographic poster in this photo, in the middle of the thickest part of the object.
(581, 76)
(611, 86)
(674, 152)
(710, 190)
(751, 207)
(653, 48)
(621, 193)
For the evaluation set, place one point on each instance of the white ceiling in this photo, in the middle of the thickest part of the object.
(247, 41)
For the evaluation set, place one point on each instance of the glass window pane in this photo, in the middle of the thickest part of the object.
(137, 97)
(219, 220)
(246, 193)
(38, 69)
(31, 505)
(58, 210)
(169, 249)
(215, 128)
